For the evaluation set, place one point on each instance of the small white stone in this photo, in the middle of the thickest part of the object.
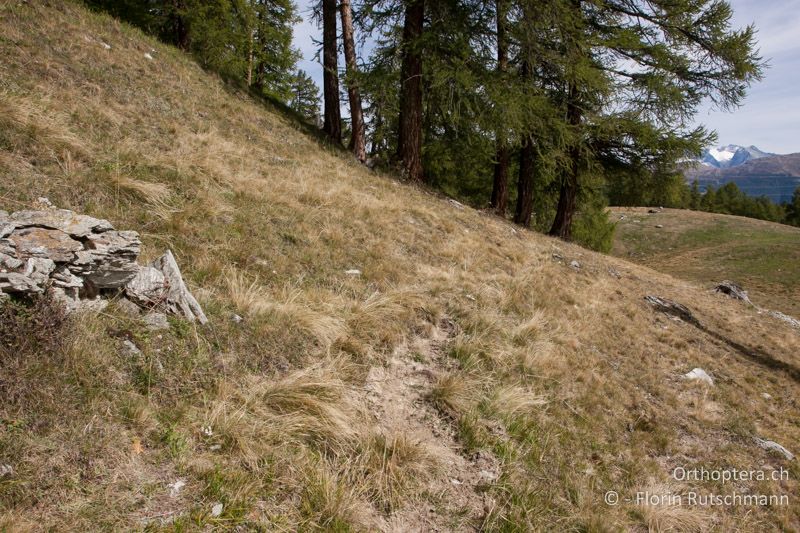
(148, 56)
(698, 374)
(6, 470)
(353, 272)
(175, 488)
(766, 395)
(216, 510)
(574, 264)
(770, 445)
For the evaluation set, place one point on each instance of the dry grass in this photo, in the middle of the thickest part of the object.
(565, 377)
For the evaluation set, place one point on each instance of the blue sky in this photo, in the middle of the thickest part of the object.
(770, 115)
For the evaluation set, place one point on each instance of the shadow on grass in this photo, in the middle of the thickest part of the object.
(753, 354)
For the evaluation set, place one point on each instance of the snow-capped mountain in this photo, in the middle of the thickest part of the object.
(731, 155)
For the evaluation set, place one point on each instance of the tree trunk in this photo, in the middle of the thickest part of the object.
(562, 225)
(499, 199)
(250, 61)
(522, 215)
(330, 76)
(410, 135)
(500, 186)
(180, 30)
(357, 141)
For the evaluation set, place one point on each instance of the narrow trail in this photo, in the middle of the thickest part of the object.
(396, 395)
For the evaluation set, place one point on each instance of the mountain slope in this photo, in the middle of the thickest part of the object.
(731, 156)
(709, 247)
(774, 176)
(470, 377)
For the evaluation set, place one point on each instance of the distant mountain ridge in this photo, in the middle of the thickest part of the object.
(731, 155)
(755, 172)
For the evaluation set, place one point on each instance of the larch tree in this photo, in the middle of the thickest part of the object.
(357, 143)
(305, 97)
(332, 125)
(499, 199)
(409, 141)
(635, 72)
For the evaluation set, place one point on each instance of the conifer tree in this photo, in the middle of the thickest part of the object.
(333, 121)
(409, 148)
(357, 143)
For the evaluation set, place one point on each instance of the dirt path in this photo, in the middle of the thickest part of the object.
(396, 395)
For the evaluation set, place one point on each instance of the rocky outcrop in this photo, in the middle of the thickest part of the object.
(84, 261)
(733, 290)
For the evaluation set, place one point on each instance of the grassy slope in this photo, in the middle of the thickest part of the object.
(563, 381)
(707, 248)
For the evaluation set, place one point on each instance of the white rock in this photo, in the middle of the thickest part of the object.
(178, 298)
(156, 321)
(6, 470)
(698, 374)
(659, 225)
(131, 349)
(775, 447)
(148, 56)
(353, 272)
(146, 287)
(786, 318)
(766, 395)
(175, 488)
(216, 510)
(105, 45)
(574, 264)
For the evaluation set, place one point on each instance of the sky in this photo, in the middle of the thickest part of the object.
(770, 115)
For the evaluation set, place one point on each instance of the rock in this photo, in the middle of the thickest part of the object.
(147, 287)
(659, 226)
(733, 290)
(156, 321)
(175, 488)
(6, 227)
(651, 211)
(216, 509)
(457, 204)
(83, 261)
(178, 299)
(6, 470)
(110, 261)
(128, 307)
(574, 264)
(353, 272)
(671, 308)
(236, 319)
(766, 395)
(786, 318)
(64, 220)
(698, 374)
(148, 56)
(774, 447)
(130, 348)
(41, 242)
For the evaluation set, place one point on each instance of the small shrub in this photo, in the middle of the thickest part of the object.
(35, 327)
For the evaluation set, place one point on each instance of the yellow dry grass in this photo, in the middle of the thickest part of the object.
(565, 377)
